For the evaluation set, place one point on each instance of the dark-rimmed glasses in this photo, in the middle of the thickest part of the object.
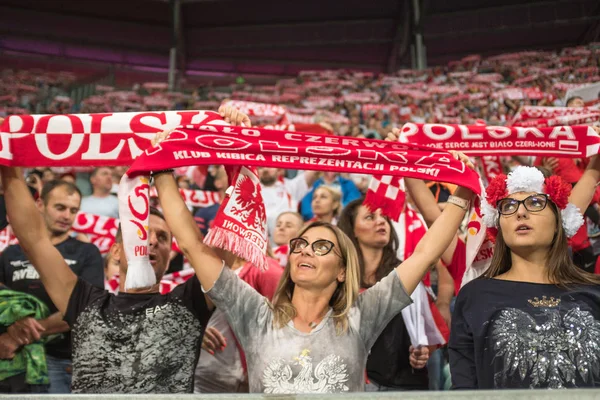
(320, 247)
(533, 203)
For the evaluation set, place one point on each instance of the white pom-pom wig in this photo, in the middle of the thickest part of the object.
(530, 179)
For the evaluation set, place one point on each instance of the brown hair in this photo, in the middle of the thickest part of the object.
(561, 269)
(344, 296)
(389, 260)
(50, 186)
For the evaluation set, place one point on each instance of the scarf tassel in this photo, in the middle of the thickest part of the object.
(229, 241)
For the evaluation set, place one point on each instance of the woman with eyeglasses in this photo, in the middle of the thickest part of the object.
(533, 319)
(316, 333)
(315, 336)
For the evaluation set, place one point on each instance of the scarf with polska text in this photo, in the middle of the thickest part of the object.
(480, 140)
(118, 138)
(574, 119)
(537, 112)
(240, 223)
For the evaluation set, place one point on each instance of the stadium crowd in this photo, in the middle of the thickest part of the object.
(354, 302)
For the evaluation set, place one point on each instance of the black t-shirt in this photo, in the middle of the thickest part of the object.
(508, 334)
(136, 343)
(388, 362)
(16, 272)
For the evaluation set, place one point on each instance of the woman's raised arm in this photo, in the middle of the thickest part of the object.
(437, 239)
(205, 260)
(583, 192)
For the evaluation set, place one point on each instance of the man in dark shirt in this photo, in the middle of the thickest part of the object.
(137, 342)
(58, 205)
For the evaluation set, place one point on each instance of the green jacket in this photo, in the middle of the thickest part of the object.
(30, 359)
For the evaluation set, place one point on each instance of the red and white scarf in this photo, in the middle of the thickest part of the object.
(115, 139)
(234, 145)
(479, 140)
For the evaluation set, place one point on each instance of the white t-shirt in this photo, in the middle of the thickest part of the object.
(104, 206)
(281, 197)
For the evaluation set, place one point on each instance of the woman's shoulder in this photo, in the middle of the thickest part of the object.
(506, 287)
(496, 287)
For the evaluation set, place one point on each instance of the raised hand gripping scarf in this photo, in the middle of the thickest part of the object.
(115, 139)
(240, 223)
(118, 138)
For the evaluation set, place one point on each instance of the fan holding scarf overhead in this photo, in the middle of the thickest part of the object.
(315, 335)
(155, 338)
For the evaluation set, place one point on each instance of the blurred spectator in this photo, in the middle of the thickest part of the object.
(101, 202)
(23, 368)
(59, 203)
(393, 363)
(68, 177)
(183, 182)
(348, 188)
(288, 225)
(327, 204)
(204, 216)
(222, 363)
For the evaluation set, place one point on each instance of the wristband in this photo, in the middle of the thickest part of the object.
(459, 202)
(162, 171)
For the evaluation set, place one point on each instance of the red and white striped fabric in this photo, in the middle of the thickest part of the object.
(292, 118)
(7, 238)
(423, 320)
(386, 193)
(363, 97)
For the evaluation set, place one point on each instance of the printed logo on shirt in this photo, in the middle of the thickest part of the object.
(298, 376)
(556, 353)
(24, 270)
(155, 310)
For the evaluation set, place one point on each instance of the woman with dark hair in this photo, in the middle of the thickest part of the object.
(533, 319)
(393, 364)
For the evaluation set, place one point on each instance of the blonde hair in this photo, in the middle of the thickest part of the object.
(336, 195)
(344, 296)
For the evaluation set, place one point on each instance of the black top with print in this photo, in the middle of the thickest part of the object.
(508, 334)
(16, 272)
(136, 343)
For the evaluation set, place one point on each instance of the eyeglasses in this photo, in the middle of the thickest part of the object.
(533, 203)
(320, 247)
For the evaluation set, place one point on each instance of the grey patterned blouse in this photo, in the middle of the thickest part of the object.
(285, 360)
